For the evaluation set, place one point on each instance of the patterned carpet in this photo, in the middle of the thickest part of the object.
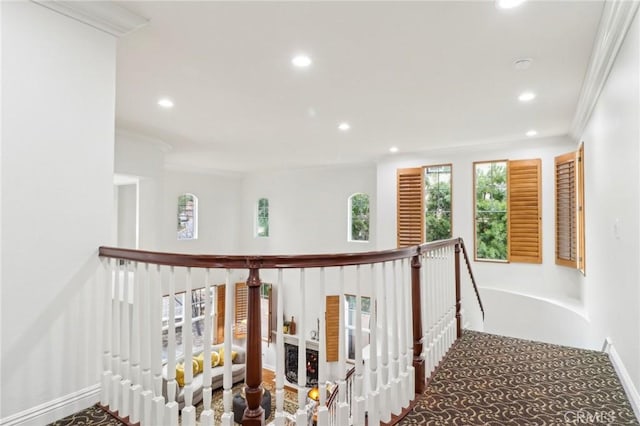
(494, 380)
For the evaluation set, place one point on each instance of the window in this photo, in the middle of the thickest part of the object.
(490, 182)
(262, 218)
(187, 217)
(241, 304)
(267, 311)
(198, 298)
(350, 323)
(569, 182)
(359, 217)
(508, 211)
(437, 202)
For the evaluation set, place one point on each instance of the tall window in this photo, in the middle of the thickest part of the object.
(187, 217)
(490, 182)
(198, 299)
(262, 218)
(359, 217)
(508, 211)
(350, 323)
(437, 202)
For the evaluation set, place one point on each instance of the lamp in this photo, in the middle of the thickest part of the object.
(314, 394)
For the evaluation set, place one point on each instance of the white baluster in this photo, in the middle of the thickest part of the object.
(146, 310)
(189, 411)
(115, 326)
(125, 327)
(408, 317)
(156, 332)
(323, 413)
(373, 397)
(358, 400)
(227, 416)
(343, 407)
(402, 335)
(301, 414)
(147, 401)
(396, 392)
(385, 385)
(171, 340)
(280, 414)
(207, 416)
(136, 387)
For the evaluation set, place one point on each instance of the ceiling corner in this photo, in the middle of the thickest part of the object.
(109, 17)
(617, 17)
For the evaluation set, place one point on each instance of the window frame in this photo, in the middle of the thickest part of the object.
(348, 327)
(425, 168)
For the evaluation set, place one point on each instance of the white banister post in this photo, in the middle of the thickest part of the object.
(125, 336)
(373, 396)
(146, 312)
(323, 413)
(136, 387)
(229, 309)
(396, 392)
(116, 378)
(401, 309)
(280, 414)
(385, 385)
(343, 407)
(207, 416)
(408, 317)
(171, 339)
(301, 414)
(107, 323)
(358, 400)
(189, 411)
(156, 333)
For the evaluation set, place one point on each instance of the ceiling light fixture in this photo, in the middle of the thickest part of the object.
(522, 64)
(393, 149)
(344, 126)
(301, 61)
(165, 103)
(526, 96)
(508, 4)
(531, 133)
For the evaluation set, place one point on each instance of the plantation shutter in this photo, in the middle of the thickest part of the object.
(566, 238)
(581, 228)
(219, 325)
(332, 328)
(241, 310)
(524, 211)
(410, 202)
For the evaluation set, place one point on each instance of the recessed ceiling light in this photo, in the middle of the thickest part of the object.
(531, 133)
(393, 149)
(301, 61)
(526, 96)
(165, 103)
(344, 126)
(508, 4)
(522, 64)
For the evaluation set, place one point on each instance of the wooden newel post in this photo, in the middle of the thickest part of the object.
(253, 414)
(416, 308)
(458, 298)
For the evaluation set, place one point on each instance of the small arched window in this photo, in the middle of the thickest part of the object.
(262, 218)
(187, 217)
(359, 217)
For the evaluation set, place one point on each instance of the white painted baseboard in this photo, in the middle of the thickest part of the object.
(54, 410)
(623, 374)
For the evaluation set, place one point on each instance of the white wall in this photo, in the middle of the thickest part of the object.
(612, 194)
(539, 281)
(58, 79)
(127, 199)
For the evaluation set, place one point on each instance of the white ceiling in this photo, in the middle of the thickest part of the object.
(418, 75)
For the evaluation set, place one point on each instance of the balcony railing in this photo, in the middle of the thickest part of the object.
(415, 317)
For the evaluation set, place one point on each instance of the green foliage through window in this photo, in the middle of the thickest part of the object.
(187, 217)
(262, 218)
(359, 217)
(491, 210)
(437, 202)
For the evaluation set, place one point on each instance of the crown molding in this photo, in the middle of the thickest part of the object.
(617, 17)
(106, 16)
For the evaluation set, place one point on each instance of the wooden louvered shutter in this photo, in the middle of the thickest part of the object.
(219, 325)
(241, 308)
(332, 328)
(566, 238)
(410, 214)
(580, 213)
(524, 209)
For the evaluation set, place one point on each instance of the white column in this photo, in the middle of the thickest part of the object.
(373, 396)
(358, 400)
(229, 296)
(115, 326)
(171, 340)
(107, 283)
(136, 322)
(146, 311)
(189, 411)
(396, 388)
(207, 417)
(156, 332)
(408, 317)
(385, 385)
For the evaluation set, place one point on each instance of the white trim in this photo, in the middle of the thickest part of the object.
(105, 16)
(617, 17)
(57, 409)
(623, 374)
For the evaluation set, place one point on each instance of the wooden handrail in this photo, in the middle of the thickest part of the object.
(334, 395)
(473, 280)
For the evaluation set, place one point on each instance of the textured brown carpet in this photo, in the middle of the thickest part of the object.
(494, 380)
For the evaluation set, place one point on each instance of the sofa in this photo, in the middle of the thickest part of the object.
(238, 368)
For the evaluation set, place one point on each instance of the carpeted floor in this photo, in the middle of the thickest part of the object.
(494, 380)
